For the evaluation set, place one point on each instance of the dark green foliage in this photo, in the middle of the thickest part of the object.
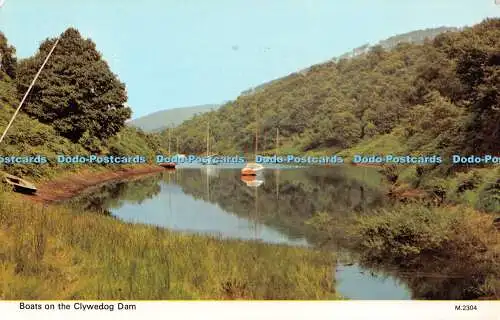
(76, 93)
(29, 137)
(8, 60)
(489, 197)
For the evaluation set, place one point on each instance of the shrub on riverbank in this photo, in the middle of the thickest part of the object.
(409, 235)
(51, 253)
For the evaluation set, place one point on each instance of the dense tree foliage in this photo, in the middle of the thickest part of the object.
(28, 136)
(76, 93)
(8, 60)
(441, 95)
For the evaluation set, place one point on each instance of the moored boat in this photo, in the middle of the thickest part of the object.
(252, 169)
(168, 165)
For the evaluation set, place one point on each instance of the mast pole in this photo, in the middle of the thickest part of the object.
(169, 133)
(208, 138)
(28, 91)
(256, 134)
(277, 140)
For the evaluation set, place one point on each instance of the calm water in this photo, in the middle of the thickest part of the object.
(270, 208)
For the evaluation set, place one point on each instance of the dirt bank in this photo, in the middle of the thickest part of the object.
(70, 185)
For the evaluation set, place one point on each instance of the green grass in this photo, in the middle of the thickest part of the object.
(53, 253)
(413, 236)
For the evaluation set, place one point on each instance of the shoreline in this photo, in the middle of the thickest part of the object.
(67, 186)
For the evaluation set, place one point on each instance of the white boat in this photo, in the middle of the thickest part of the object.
(254, 166)
(19, 185)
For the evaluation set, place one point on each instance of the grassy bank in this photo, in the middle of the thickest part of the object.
(49, 252)
(450, 240)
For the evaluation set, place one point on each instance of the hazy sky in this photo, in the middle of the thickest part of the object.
(189, 52)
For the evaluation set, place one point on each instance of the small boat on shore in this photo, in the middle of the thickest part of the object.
(19, 185)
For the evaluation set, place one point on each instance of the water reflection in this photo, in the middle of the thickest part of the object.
(274, 207)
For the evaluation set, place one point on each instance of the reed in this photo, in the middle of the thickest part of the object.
(56, 253)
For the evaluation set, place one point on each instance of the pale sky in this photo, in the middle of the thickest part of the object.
(190, 52)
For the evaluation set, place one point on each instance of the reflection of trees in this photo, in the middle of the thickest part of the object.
(115, 194)
(285, 201)
(288, 201)
(432, 279)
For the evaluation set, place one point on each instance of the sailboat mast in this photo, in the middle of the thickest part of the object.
(169, 133)
(208, 138)
(277, 170)
(277, 140)
(256, 133)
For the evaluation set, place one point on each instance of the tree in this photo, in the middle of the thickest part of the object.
(478, 68)
(8, 60)
(76, 93)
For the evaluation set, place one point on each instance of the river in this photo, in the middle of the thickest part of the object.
(272, 208)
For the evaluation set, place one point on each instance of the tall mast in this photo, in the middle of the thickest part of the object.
(169, 133)
(28, 91)
(256, 133)
(277, 140)
(277, 170)
(208, 138)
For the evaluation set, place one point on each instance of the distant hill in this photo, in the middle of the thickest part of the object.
(415, 37)
(160, 120)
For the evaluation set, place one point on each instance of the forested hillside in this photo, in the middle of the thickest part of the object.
(439, 96)
(416, 37)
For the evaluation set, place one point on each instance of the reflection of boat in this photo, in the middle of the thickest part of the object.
(255, 183)
(20, 185)
(252, 181)
(212, 171)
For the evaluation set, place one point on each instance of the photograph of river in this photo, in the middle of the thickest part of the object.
(228, 152)
(215, 201)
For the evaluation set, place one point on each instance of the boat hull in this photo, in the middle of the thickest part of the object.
(248, 172)
(25, 190)
(168, 165)
(20, 185)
